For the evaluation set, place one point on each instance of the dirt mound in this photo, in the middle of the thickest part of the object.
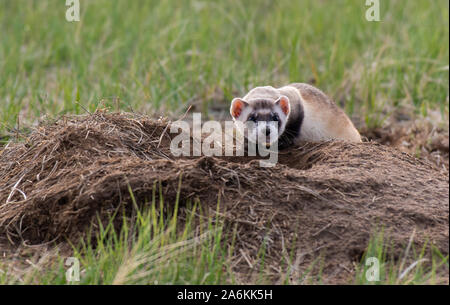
(321, 198)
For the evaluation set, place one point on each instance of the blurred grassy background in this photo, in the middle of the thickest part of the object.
(160, 56)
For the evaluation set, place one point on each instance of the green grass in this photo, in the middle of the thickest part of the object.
(148, 249)
(154, 248)
(160, 56)
(414, 266)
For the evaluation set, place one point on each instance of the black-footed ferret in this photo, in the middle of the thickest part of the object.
(300, 112)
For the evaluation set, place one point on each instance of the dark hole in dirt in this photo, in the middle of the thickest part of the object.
(63, 201)
(303, 157)
(346, 190)
(356, 254)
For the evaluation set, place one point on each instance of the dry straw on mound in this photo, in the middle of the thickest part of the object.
(322, 198)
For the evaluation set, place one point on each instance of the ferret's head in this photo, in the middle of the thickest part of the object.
(262, 118)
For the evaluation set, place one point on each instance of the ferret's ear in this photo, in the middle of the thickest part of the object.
(237, 105)
(283, 102)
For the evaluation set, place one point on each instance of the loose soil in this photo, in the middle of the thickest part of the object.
(323, 200)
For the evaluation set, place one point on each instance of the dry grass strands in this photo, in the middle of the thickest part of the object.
(324, 199)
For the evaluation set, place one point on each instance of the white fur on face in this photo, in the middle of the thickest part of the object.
(242, 118)
(256, 132)
(244, 114)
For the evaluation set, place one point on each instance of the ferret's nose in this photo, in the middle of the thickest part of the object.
(267, 131)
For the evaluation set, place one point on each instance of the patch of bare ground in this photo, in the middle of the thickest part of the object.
(323, 200)
(420, 138)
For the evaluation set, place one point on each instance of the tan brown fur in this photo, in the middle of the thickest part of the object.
(311, 116)
(320, 110)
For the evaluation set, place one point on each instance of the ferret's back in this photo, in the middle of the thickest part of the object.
(312, 94)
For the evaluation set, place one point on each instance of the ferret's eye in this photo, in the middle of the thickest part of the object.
(275, 117)
(252, 118)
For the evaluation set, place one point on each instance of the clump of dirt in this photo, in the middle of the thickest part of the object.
(323, 199)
